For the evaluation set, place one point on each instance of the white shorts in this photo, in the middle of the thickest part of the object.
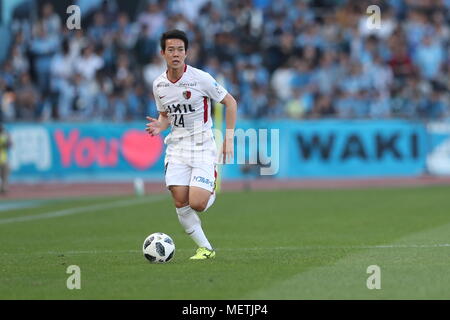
(202, 175)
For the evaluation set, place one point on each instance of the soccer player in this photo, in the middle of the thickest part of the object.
(5, 144)
(184, 96)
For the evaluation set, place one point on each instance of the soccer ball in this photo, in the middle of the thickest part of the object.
(158, 248)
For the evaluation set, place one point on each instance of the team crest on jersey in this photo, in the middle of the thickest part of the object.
(186, 94)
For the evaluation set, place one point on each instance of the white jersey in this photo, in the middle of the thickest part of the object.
(187, 102)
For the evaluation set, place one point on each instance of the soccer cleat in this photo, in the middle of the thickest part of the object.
(203, 253)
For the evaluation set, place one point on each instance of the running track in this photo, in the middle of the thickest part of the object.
(62, 190)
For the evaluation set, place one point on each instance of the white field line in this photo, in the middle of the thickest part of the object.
(15, 205)
(71, 211)
(393, 246)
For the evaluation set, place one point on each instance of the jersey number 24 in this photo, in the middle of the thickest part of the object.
(178, 120)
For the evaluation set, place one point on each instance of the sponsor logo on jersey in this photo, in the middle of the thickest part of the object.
(162, 84)
(180, 108)
(216, 85)
(186, 94)
(188, 84)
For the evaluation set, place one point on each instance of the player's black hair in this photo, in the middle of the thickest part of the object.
(174, 34)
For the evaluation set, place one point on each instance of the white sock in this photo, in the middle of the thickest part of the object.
(211, 200)
(193, 226)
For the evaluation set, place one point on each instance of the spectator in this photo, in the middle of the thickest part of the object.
(77, 41)
(152, 70)
(43, 47)
(89, 63)
(344, 104)
(281, 80)
(401, 63)
(27, 98)
(256, 104)
(50, 20)
(379, 106)
(323, 107)
(299, 104)
(435, 106)
(429, 57)
(62, 68)
(126, 32)
(8, 100)
(381, 76)
(99, 28)
(153, 20)
(145, 47)
(20, 63)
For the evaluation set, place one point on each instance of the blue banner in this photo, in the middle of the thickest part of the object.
(337, 148)
(276, 149)
(85, 152)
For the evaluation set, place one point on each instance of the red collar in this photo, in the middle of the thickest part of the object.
(185, 68)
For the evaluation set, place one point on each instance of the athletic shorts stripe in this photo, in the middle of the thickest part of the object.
(215, 179)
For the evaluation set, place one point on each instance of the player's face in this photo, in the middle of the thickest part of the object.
(175, 53)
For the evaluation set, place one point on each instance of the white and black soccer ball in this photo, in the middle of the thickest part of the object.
(158, 248)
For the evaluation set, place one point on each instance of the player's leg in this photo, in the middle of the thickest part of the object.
(177, 180)
(6, 178)
(199, 198)
(201, 193)
(180, 195)
(3, 177)
(188, 217)
(177, 177)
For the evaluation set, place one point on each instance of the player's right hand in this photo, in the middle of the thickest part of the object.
(153, 127)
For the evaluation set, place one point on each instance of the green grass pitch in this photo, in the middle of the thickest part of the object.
(299, 244)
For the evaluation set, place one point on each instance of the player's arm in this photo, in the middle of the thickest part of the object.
(230, 120)
(156, 126)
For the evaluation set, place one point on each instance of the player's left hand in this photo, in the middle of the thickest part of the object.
(228, 150)
(153, 127)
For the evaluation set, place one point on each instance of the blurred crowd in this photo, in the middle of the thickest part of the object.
(297, 59)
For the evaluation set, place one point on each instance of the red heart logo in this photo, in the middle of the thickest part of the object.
(140, 149)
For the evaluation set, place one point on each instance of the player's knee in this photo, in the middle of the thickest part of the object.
(198, 205)
(181, 204)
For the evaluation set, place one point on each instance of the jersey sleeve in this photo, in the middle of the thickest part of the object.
(212, 88)
(159, 105)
